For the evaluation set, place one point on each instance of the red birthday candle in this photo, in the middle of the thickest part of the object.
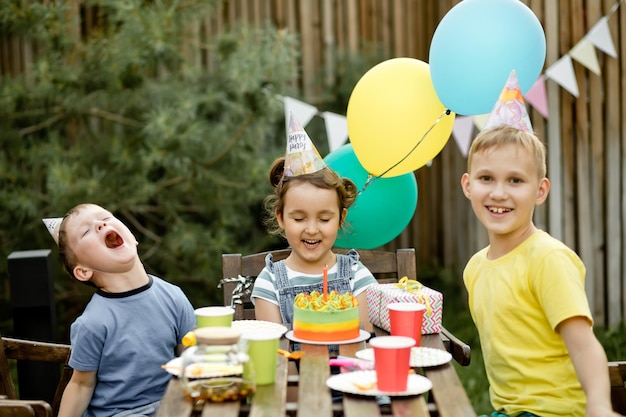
(325, 283)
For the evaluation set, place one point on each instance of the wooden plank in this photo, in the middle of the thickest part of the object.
(270, 400)
(174, 403)
(621, 80)
(16, 409)
(398, 28)
(414, 407)
(314, 399)
(329, 45)
(225, 409)
(411, 10)
(353, 24)
(583, 173)
(307, 44)
(450, 396)
(613, 221)
(354, 407)
(385, 26)
(553, 131)
(568, 206)
(597, 178)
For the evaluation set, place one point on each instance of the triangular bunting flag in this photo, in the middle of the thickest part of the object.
(336, 129)
(600, 36)
(536, 96)
(480, 120)
(462, 131)
(585, 53)
(301, 110)
(562, 72)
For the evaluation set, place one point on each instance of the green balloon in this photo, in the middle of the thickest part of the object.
(383, 208)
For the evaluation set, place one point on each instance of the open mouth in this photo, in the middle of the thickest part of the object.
(310, 243)
(113, 240)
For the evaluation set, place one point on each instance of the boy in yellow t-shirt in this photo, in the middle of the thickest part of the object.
(526, 289)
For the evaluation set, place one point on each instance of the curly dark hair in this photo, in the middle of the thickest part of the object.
(325, 178)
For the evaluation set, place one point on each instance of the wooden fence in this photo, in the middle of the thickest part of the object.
(585, 134)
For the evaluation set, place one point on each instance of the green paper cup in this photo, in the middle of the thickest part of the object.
(263, 352)
(214, 316)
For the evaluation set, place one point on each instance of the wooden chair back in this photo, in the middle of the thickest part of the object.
(34, 408)
(386, 266)
(617, 374)
(29, 350)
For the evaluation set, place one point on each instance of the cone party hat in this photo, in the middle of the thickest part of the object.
(53, 225)
(301, 156)
(510, 108)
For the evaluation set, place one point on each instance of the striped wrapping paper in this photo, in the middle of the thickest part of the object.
(380, 295)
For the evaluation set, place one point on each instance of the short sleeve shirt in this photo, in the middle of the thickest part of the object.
(126, 338)
(517, 301)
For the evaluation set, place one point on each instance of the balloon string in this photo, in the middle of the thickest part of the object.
(372, 178)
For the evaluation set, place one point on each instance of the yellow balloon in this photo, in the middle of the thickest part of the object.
(396, 122)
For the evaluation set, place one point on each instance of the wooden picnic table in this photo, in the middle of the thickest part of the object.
(314, 397)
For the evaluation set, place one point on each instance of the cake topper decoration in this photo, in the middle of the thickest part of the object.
(53, 225)
(510, 108)
(301, 156)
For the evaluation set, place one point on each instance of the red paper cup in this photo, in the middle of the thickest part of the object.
(406, 320)
(392, 355)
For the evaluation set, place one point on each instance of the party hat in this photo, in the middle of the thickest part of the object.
(53, 225)
(510, 108)
(301, 156)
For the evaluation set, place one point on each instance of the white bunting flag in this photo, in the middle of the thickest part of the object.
(302, 111)
(600, 36)
(562, 72)
(336, 129)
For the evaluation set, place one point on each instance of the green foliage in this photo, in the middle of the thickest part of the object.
(126, 118)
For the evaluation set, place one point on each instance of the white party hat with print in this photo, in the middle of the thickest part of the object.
(301, 156)
(53, 225)
(510, 108)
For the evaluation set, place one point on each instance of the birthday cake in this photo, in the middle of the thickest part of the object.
(333, 320)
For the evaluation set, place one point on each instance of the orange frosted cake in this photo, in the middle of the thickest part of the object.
(334, 320)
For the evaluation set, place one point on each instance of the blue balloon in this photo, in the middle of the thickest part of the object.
(381, 211)
(476, 46)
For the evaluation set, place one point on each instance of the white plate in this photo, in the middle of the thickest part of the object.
(421, 357)
(259, 324)
(175, 365)
(363, 335)
(345, 382)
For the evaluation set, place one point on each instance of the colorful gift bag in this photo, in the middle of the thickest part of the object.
(379, 296)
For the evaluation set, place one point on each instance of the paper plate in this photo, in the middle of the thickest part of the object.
(363, 335)
(421, 357)
(202, 370)
(259, 325)
(364, 383)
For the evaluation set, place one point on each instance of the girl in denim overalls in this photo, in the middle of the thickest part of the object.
(308, 208)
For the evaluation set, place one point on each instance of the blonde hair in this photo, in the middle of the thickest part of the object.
(507, 135)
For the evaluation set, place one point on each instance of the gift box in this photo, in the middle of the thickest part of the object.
(379, 296)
